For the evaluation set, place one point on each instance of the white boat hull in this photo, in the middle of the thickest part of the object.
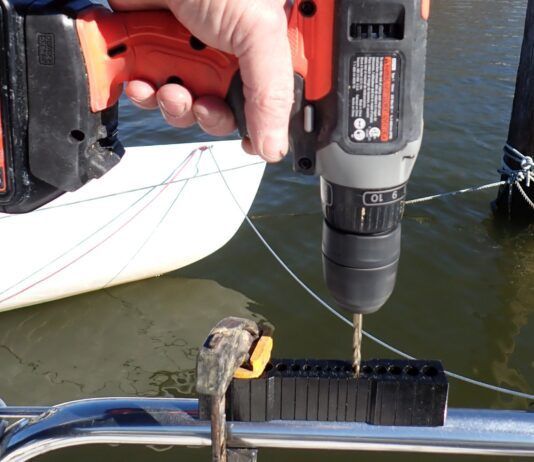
(161, 208)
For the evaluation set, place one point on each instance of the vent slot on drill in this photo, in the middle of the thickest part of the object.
(387, 23)
(117, 50)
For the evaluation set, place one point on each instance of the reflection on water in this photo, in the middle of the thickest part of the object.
(114, 342)
(508, 328)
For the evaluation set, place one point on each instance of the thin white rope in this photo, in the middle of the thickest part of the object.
(341, 317)
(523, 193)
(455, 193)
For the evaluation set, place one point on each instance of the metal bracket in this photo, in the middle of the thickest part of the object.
(242, 455)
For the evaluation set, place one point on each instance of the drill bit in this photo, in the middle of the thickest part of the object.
(357, 344)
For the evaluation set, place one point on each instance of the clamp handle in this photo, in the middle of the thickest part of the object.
(225, 350)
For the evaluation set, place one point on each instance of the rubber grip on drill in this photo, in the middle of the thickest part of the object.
(151, 46)
(154, 47)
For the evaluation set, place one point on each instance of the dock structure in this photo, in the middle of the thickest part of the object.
(519, 150)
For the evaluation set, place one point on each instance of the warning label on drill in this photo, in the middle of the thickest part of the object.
(374, 98)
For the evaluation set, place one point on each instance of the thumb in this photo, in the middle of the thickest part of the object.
(265, 61)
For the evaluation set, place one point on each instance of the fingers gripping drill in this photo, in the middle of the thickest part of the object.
(357, 120)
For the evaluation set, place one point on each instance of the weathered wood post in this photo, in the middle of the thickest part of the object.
(521, 134)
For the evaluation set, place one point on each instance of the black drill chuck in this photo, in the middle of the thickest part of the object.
(361, 245)
(360, 270)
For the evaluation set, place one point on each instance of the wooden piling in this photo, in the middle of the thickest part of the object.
(521, 132)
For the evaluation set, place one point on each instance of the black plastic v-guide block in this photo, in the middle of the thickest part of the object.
(387, 392)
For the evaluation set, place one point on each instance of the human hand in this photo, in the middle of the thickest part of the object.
(255, 31)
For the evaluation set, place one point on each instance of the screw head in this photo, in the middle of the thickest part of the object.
(308, 8)
(305, 163)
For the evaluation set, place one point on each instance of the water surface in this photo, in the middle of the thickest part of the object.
(464, 293)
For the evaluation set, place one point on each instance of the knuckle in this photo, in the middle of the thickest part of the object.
(275, 100)
(263, 18)
(273, 18)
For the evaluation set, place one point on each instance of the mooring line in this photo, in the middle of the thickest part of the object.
(380, 342)
(516, 176)
(455, 193)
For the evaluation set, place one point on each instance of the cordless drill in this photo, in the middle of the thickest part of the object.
(357, 121)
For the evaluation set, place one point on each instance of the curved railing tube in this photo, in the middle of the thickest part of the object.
(162, 421)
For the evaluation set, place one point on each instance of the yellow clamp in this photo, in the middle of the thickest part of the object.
(258, 359)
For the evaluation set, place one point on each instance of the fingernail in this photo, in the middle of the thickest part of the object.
(203, 117)
(247, 146)
(275, 147)
(140, 101)
(178, 110)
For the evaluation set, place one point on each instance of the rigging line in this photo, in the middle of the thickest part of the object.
(348, 322)
(83, 241)
(98, 244)
(158, 224)
(120, 193)
(455, 193)
(173, 174)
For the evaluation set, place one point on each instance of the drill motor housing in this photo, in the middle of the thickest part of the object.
(357, 120)
(366, 136)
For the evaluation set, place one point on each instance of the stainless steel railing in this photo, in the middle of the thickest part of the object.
(174, 422)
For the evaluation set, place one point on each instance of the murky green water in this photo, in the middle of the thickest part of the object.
(464, 293)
